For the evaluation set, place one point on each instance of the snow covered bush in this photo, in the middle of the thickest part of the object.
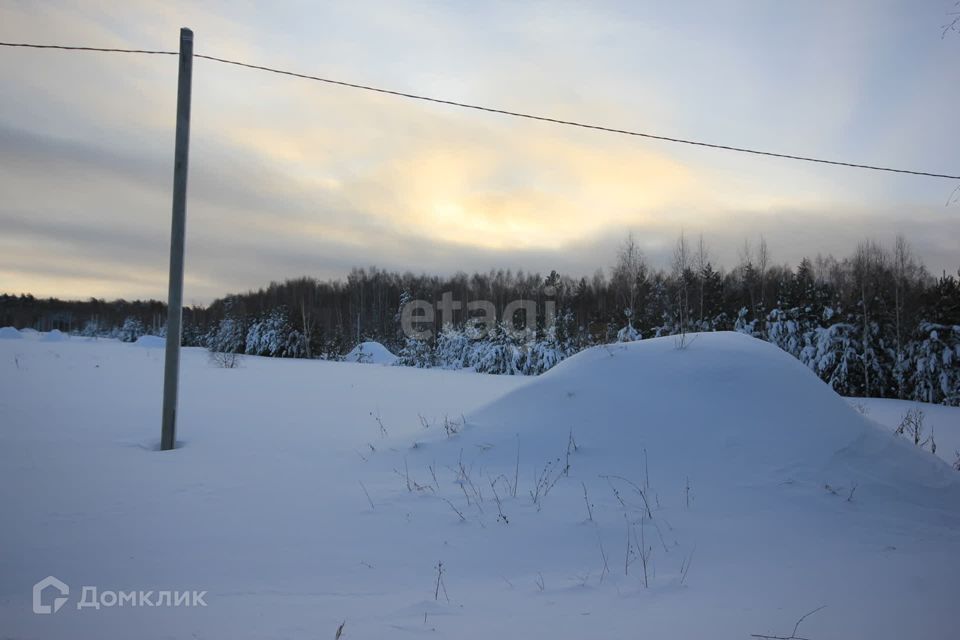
(131, 330)
(912, 427)
(226, 342)
(742, 325)
(628, 334)
(91, 328)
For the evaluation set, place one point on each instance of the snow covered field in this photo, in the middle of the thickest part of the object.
(309, 493)
(941, 421)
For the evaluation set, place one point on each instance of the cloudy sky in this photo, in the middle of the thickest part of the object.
(290, 177)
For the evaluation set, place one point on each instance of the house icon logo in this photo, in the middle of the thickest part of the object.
(43, 585)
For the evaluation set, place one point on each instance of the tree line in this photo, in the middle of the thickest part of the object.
(874, 323)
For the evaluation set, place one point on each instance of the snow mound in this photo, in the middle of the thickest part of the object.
(151, 342)
(9, 333)
(726, 410)
(371, 353)
(55, 336)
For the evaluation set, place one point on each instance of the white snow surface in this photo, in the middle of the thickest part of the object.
(746, 459)
(940, 420)
(151, 342)
(54, 336)
(10, 333)
(370, 353)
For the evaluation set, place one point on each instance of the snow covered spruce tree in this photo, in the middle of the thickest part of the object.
(869, 270)
(833, 356)
(500, 352)
(131, 329)
(416, 352)
(545, 352)
(785, 331)
(936, 359)
(274, 336)
(226, 341)
(453, 348)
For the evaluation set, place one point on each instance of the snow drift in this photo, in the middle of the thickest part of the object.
(151, 342)
(371, 353)
(727, 410)
(728, 449)
(55, 336)
(9, 333)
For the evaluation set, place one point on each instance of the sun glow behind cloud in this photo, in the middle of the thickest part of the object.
(291, 177)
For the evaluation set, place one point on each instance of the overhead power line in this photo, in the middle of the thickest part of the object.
(505, 112)
(27, 45)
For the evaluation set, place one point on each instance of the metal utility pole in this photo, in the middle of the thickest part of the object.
(171, 370)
